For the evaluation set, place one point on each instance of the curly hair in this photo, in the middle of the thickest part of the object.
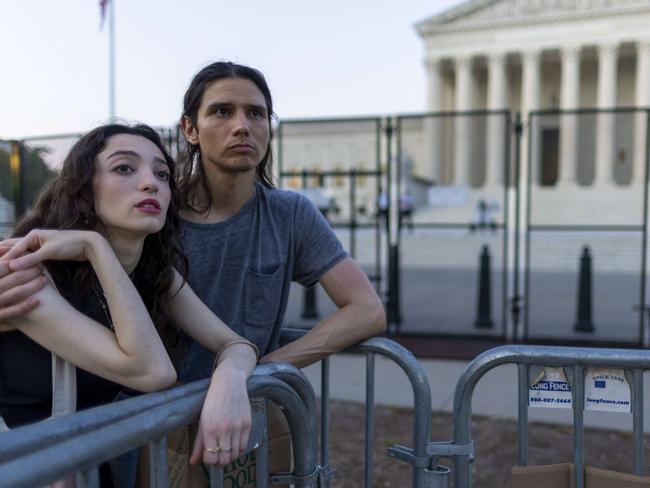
(193, 179)
(67, 202)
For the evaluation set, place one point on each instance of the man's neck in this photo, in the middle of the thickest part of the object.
(229, 192)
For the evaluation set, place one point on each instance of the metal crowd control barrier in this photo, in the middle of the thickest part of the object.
(426, 474)
(32, 455)
(576, 360)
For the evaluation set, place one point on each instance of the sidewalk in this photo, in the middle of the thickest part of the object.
(495, 394)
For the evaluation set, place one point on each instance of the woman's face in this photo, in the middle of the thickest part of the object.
(131, 186)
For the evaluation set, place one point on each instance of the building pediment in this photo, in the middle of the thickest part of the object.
(492, 14)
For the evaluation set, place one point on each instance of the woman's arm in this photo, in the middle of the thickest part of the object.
(225, 418)
(133, 354)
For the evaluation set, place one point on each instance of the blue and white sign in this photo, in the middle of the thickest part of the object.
(607, 389)
(447, 196)
(550, 389)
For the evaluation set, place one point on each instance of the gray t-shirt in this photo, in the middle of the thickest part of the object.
(242, 268)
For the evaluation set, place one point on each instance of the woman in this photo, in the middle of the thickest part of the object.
(104, 229)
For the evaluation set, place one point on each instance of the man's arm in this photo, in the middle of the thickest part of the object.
(360, 315)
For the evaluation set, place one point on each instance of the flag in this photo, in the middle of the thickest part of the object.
(102, 12)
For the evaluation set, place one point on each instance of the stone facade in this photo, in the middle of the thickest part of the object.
(519, 56)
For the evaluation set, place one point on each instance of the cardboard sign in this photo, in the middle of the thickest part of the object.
(607, 389)
(550, 389)
(563, 476)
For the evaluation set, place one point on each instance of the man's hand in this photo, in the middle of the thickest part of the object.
(17, 288)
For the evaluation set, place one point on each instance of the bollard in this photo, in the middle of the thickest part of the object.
(393, 313)
(483, 306)
(309, 308)
(584, 321)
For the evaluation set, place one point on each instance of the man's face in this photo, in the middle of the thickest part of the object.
(232, 127)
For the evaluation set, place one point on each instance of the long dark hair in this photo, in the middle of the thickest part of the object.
(67, 202)
(193, 180)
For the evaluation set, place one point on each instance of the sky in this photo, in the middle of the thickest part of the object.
(321, 58)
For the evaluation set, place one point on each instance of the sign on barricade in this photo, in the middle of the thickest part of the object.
(550, 389)
(607, 389)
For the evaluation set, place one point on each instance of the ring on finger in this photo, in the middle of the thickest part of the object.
(213, 450)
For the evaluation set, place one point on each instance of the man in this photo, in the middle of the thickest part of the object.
(247, 241)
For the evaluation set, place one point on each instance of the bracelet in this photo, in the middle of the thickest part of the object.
(232, 343)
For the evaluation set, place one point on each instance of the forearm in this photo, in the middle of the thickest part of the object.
(351, 324)
(134, 330)
(131, 320)
(238, 357)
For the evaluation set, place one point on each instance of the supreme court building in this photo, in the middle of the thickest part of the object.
(540, 55)
(559, 60)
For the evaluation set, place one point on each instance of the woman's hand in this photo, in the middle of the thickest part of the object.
(225, 421)
(43, 245)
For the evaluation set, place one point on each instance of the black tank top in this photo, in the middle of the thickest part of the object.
(26, 367)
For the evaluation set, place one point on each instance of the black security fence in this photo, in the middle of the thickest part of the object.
(493, 226)
(586, 226)
(337, 164)
(454, 170)
(472, 224)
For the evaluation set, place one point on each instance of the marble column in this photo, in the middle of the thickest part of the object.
(642, 100)
(497, 100)
(530, 82)
(607, 69)
(530, 95)
(569, 100)
(462, 133)
(432, 125)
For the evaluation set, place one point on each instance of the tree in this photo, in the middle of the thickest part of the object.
(35, 174)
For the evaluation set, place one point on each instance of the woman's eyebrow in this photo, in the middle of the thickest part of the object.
(124, 152)
(134, 154)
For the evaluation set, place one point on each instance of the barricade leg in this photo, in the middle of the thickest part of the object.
(437, 477)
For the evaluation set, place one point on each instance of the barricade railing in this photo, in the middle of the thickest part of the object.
(575, 360)
(426, 474)
(32, 455)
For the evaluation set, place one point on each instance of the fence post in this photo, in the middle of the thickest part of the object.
(584, 320)
(393, 312)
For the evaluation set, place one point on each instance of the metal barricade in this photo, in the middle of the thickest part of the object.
(576, 360)
(426, 474)
(31, 455)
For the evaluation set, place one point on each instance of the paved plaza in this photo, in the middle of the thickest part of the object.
(439, 283)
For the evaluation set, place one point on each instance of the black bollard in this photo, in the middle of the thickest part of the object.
(309, 308)
(393, 312)
(483, 305)
(584, 321)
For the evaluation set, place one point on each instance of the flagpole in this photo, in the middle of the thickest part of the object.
(111, 59)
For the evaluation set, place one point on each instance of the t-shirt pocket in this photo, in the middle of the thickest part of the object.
(262, 293)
